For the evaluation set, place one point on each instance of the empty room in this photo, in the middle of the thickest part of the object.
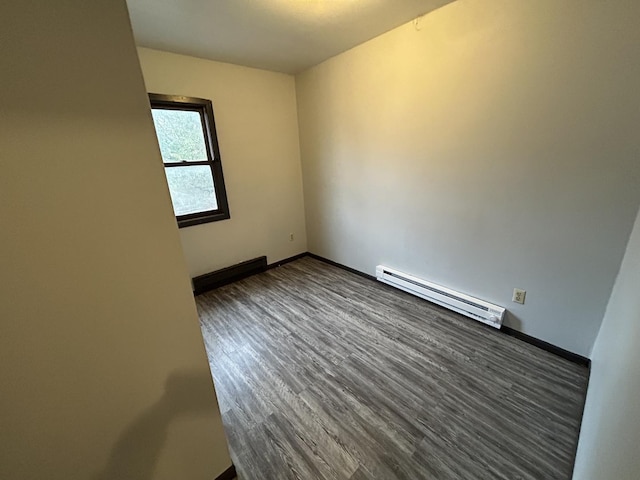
(320, 239)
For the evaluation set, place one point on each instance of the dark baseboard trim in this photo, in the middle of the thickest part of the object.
(287, 260)
(561, 352)
(228, 474)
(210, 281)
(339, 265)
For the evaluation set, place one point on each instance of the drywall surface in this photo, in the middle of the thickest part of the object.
(102, 365)
(610, 434)
(492, 144)
(257, 126)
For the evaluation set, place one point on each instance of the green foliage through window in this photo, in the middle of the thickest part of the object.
(179, 135)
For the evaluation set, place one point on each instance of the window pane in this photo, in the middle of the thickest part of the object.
(179, 135)
(191, 189)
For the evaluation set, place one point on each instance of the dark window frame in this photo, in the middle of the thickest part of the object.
(205, 108)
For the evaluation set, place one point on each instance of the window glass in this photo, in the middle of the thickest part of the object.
(191, 189)
(180, 135)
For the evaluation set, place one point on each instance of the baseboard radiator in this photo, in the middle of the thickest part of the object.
(210, 281)
(472, 307)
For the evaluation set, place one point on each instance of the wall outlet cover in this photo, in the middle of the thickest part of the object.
(518, 295)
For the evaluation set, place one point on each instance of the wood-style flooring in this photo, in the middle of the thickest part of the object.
(323, 374)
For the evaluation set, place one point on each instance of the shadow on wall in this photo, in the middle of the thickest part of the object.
(510, 320)
(137, 450)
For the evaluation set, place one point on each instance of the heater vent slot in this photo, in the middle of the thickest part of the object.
(472, 307)
(440, 291)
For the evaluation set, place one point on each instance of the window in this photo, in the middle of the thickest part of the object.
(187, 137)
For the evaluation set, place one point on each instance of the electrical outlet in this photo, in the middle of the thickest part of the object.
(291, 237)
(518, 295)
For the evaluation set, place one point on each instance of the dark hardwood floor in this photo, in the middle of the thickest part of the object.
(322, 374)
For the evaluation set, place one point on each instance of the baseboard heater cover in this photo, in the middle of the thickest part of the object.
(210, 281)
(472, 307)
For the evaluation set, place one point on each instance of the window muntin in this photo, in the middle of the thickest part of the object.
(188, 143)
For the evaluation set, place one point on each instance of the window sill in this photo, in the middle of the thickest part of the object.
(200, 218)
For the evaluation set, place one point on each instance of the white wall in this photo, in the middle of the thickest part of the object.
(610, 434)
(257, 126)
(492, 146)
(102, 364)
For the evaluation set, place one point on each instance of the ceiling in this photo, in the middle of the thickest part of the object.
(281, 35)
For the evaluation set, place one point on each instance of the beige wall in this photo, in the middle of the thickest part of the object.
(493, 145)
(256, 121)
(610, 434)
(102, 364)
